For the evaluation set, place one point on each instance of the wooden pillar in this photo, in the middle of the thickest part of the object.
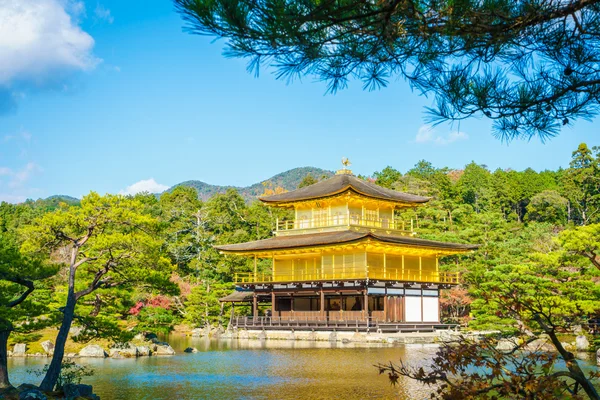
(255, 305)
(422, 317)
(292, 309)
(255, 268)
(273, 308)
(439, 307)
(366, 304)
(322, 308)
(385, 305)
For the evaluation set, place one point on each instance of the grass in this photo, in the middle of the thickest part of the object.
(35, 339)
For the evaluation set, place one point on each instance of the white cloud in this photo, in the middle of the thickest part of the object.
(12, 198)
(22, 135)
(427, 134)
(17, 190)
(24, 174)
(103, 14)
(147, 185)
(40, 43)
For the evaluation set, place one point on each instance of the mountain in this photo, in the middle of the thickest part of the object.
(51, 203)
(289, 180)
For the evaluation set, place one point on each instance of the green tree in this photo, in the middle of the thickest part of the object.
(581, 185)
(185, 230)
(583, 241)
(474, 186)
(203, 307)
(112, 242)
(387, 177)
(544, 298)
(476, 57)
(507, 193)
(423, 170)
(18, 277)
(307, 181)
(548, 206)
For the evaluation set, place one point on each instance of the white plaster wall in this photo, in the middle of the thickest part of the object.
(413, 309)
(431, 309)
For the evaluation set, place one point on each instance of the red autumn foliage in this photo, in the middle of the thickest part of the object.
(135, 310)
(455, 303)
(155, 302)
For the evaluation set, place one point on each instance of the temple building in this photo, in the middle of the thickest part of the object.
(344, 261)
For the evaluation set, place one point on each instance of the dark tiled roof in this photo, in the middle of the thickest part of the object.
(341, 237)
(238, 296)
(339, 184)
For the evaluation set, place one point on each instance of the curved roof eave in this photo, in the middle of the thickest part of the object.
(338, 238)
(339, 184)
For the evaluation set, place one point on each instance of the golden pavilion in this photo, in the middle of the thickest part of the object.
(344, 262)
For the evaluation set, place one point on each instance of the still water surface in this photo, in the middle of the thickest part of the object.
(250, 369)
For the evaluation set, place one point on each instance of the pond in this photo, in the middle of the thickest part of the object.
(250, 369)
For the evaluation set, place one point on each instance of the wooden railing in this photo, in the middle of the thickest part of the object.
(318, 322)
(406, 275)
(414, 275)
(346, 220)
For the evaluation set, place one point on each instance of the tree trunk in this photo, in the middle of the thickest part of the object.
(59, 349)
(571, 363)
(6, 327)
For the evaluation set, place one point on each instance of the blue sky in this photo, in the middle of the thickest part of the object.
(112, 96)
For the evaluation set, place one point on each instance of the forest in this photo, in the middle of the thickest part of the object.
(120, 265)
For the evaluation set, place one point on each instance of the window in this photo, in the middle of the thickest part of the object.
(353, 303)
(284, 304)
(320, 217)
(306, 304)
(385, 223)
(334, 304)
(371, 216)
(303, 222)
(376, 303)
(338, 218)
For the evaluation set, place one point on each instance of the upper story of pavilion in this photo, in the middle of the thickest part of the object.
(344, 202)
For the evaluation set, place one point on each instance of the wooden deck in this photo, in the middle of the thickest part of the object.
(330, 324)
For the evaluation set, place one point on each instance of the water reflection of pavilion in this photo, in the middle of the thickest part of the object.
(345, 262)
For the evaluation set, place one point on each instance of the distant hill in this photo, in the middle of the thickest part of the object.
(51, 203)
(57, 198)
(289, 180)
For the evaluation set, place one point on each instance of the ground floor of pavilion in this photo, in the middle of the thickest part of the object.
(339, 305)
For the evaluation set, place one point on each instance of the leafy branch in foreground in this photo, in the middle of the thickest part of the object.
(542, 299)
(476, 369)
(531, 66)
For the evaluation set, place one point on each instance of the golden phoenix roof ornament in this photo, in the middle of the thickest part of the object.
(346, 163)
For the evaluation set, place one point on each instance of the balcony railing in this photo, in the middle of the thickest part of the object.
(346, 220)
(373, 273)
